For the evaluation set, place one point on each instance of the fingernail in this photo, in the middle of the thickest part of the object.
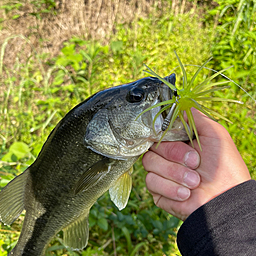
(191, 179)
(192, 159)
(183, 193)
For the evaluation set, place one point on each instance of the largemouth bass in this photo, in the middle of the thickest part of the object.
(91, 150)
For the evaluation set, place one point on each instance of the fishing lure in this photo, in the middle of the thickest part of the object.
(191, 95)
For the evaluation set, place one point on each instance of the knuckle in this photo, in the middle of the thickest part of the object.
(146, 159)
(173, 151)
(175, 174)
(169, 192)
(157, 200)
(223, 131)
(150, 177)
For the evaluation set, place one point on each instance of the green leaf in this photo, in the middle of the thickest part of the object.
(136, 248)
(128, 239)
(116, 46)
(103, 224)
(173, 222)
(4, 182)
(92, 221)
(158, 224)
(14, 17)
(19, 149)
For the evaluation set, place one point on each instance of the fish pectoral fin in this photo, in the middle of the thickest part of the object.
(76, 234)
(12, 199)
(93, 174)
(120, 191)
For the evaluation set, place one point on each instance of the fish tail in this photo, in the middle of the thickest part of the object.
(12, 199)
(32, 241)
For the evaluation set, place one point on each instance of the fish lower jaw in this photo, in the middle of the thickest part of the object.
(158, 124)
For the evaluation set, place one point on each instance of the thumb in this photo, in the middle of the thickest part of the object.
(204, 125)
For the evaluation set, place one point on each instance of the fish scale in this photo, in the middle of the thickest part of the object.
(91, 150)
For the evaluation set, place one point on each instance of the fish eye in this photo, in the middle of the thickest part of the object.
(135, 95)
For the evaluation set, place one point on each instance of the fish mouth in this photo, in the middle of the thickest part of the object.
(162, 121)
(166, 94)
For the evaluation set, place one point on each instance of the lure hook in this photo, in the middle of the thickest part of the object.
(167, 120)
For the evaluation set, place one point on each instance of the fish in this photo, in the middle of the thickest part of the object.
(90, 151)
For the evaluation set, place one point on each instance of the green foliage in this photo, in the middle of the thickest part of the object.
(235, 45)
(40, 7)
(81, 61)
(153, 41)
(235, 41)
(39, 93)
(16, 151)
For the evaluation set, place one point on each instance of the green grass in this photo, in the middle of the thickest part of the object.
(38, 93)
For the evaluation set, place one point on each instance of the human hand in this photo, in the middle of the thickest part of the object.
(180, 183)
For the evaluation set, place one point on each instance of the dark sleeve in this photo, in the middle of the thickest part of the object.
(225, 226)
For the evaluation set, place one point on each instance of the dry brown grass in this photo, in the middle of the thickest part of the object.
(88, 19)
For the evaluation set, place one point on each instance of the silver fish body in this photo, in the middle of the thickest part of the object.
(91, 150)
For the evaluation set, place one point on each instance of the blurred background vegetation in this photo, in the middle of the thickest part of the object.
(55, 53)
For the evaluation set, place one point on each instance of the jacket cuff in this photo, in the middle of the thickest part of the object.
(221, 223)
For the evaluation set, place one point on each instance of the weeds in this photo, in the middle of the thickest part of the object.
(38, 92)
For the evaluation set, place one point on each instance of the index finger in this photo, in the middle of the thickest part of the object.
(178, 152)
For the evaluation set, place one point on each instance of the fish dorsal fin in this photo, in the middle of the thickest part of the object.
(120, 191)
(76, 234)
(12, 199)
(93, 174)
